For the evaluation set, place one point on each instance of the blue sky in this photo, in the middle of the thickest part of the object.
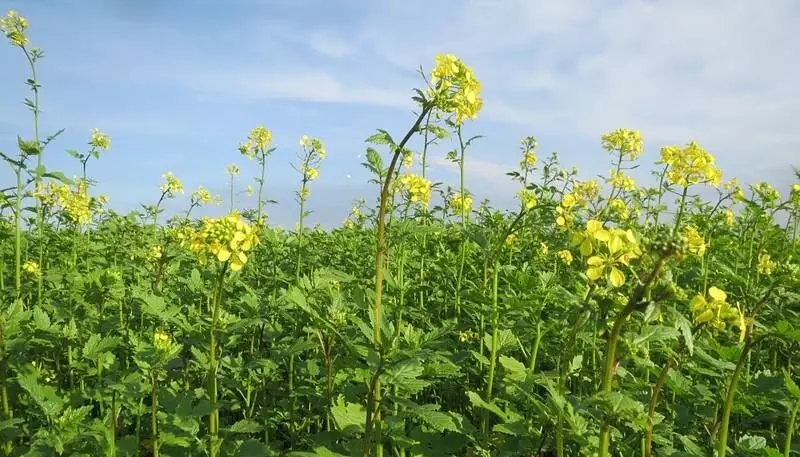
(177, 87)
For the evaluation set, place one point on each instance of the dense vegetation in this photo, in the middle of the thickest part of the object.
(600, 317)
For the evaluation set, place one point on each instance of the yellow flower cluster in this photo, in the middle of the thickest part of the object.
(510, 239)
(622, 181)
(730, 217)
(628, 143)
(768, 193)
(155, 254)
(233, 170)
(527, 198)
(31, 267)
(14, 25)
(74, 201)
(612, 247)
(543, 249)
(461, 204)
(258, 140)
(715, 311)
(172, 185)
(586, 190)
(690, 165)
(313, 145)
(456, 90)
(408, 159)
(416, 187)
(227, 239)
(619, 207)
(765, 265)
(564, 216)
(565, 256)
(100, 140)
(202, 197)
(697, 244)
(163, 341)
(794, 194)
(735, 189)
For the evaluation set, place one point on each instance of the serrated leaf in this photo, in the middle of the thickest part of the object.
(348, 417)
(791, 386)
(478, 402)
(514, 369)
(246, 426)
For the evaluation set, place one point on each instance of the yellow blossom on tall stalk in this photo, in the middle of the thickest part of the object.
(510, 239)
(765, 264)
(586, 191)
(226, 239)
(628, 143)
(588, 239)
(202, 196)
(621, 247)
(565, 256)
(455, 88)
(408, 159)
(697, 244)
(75, 202)
(794, 194)
(619, 207)
(100, 140)
(461, 204)
(767, 193)
(32, 268)
(249, 191)
(416, 188)
(527, 198)
(14, 25)
(232, 170)
(690, 165)
(622, 181)
(172, 185)
(543, 249)
(730, 217)
(715, 311)
(258, 141)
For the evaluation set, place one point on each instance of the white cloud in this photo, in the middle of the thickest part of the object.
(330, 44)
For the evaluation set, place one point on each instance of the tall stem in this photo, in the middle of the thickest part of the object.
(261, 187)
(648, 433)
(380, 255)
(611, 350)
(495, 338)
(213, 419)
(787, 444)
(722, 443)
(154, 413)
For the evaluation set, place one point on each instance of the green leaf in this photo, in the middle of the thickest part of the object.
(252, 448)
(478, 402)
(791, 386)
(348, 417)
(246, 426)
(514, 369)
(46, 397)
(381, 137)
(438, 420)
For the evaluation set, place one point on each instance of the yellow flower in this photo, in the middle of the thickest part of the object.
(461, 204)
(201, 196)
(543, 249)
(455, 88)
(155, 253)
(172, 185)
(100, 140)
(313, 147)
(587, 239)
(794, 194)
(628, 143)
(586, 190)
(312, 173)
(232, 170)
(31, 268)
(408, 159)
(226, 239)
(249, 191)
(14, 25)
(690, 165)
(622, 181)
(163, 341)
(417, 188)
(715, 311)
(565, 256)
(697, 244)
(259, 138)
(74, 202)
(730, 217)
(527, 198)
(768, 193)
(510, 239)
(600, 266)
(765, 265)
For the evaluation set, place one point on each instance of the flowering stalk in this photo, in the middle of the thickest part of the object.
(213, 419)
(373, 411)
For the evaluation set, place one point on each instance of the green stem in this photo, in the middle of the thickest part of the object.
(787, 444)
(213, 419)
(611, 350)
(648, 432)
(154, 413)
(535, 351)
(18, 234)
(261, 186)
(722, 444)
(377, 310)
(495, 338)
